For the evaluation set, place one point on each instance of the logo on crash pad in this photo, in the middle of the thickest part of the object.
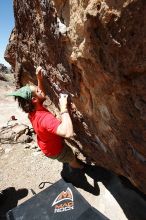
(64, 201)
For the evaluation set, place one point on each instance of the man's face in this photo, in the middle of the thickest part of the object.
(38, 94)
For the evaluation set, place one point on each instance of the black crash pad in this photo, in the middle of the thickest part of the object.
(60, 201)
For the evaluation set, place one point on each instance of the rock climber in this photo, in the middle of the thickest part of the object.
(49, 130)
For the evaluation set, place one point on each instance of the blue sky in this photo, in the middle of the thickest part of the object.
(6, 26)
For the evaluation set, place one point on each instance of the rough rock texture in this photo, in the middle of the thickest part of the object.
(95, 50)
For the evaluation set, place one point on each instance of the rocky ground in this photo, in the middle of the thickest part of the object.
(23, 166)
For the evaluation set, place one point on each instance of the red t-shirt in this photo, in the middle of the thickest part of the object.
(45, 125)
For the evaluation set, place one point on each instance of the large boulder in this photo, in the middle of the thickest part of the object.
(95, 50)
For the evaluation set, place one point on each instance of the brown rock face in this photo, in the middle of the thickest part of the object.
(95, 50)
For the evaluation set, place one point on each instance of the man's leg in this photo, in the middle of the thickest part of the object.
(68, 156)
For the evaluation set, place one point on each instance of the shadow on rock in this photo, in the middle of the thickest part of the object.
(131, 200)
(78, 179)
(9, 199)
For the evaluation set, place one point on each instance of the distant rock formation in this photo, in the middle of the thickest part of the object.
(3, 70)
(101, 60)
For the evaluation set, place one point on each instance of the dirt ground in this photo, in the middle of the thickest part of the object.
(23, 166)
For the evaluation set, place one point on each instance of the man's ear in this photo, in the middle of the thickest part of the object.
(34, 100)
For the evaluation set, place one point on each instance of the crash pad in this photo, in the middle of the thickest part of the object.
(60, 201)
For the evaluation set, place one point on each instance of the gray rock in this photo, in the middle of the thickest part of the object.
(16, 133)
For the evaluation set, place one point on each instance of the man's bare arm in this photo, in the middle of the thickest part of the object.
(65, 129)
(40, 79)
